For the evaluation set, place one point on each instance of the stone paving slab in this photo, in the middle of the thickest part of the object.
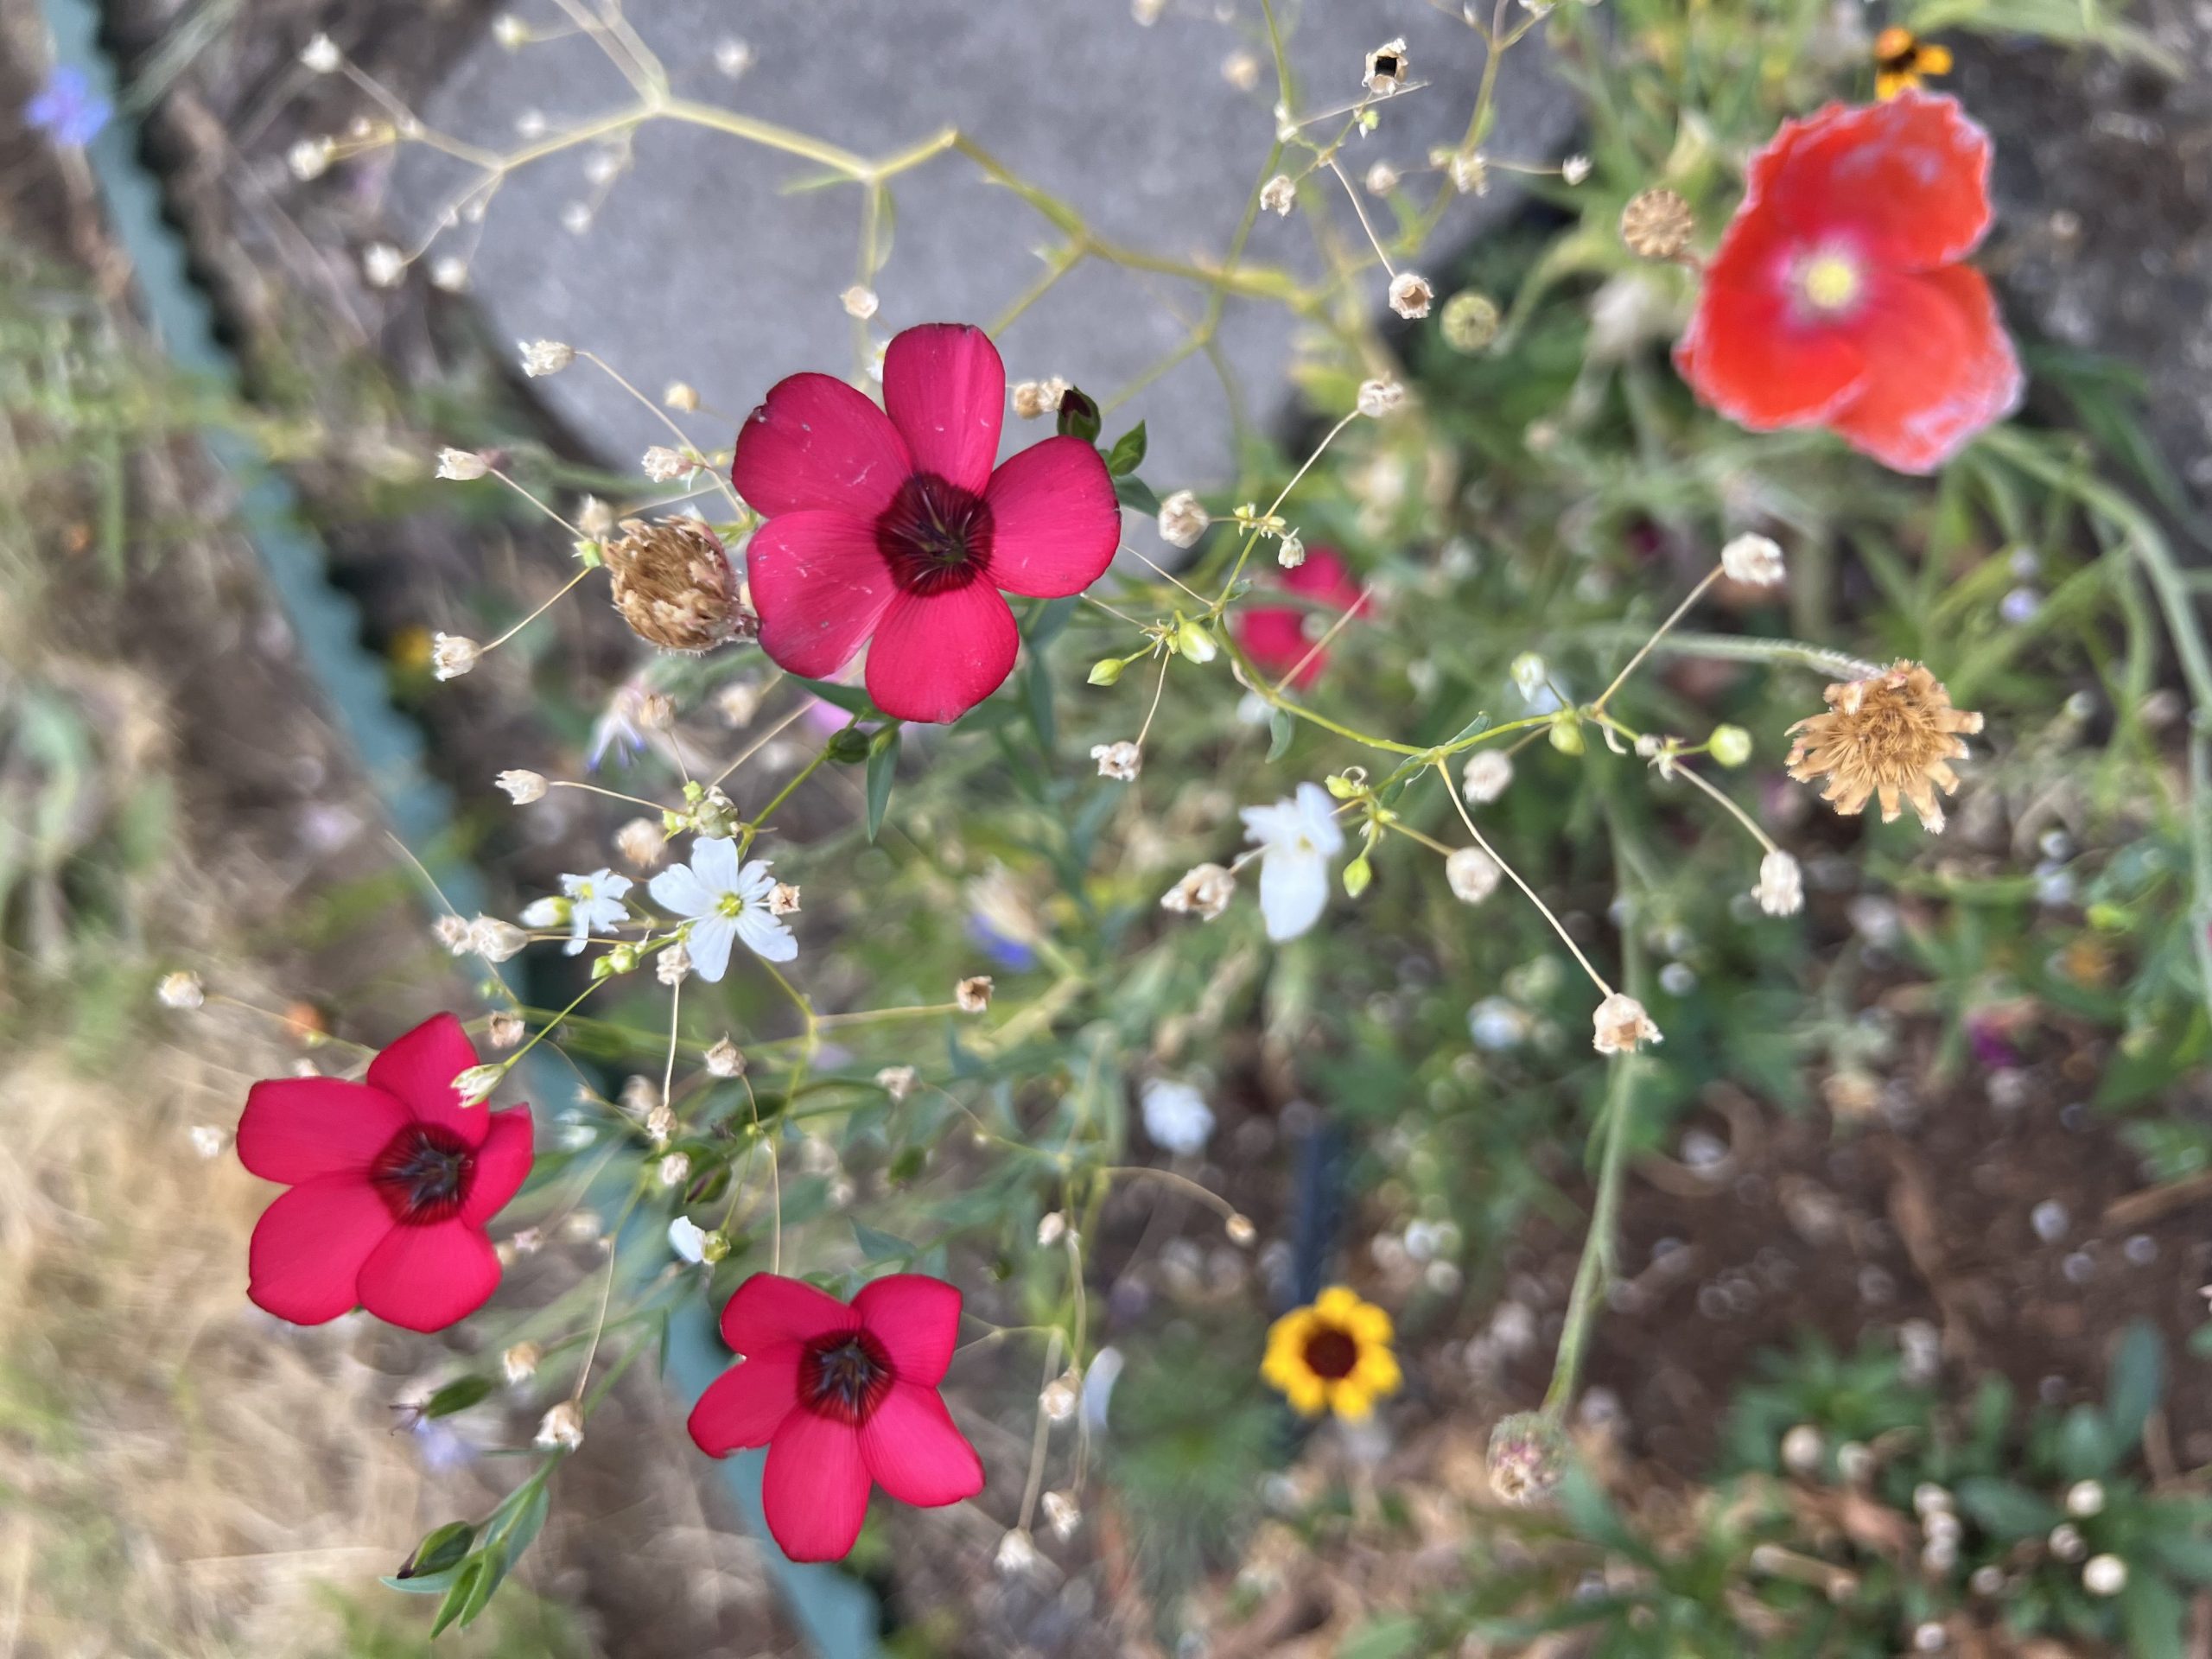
(702, 265)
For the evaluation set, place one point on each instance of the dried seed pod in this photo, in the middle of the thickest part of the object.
(1657, 225)
(674, 585)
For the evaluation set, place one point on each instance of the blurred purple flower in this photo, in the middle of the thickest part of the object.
(440, 1448)
(617, 730)
(67, 111)
(1003, 949)
(1985, 1037)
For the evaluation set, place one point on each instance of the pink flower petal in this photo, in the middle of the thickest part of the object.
(502, 1165)
(297, 1129)
(419, 1068)
(308, 1248)
(945, 390)
(428, 1278)
(936, 655)
(815, 1489)
(746, 1404)
(814, 445)
(1054, 521)
(769, 1311)
(820, 585)
(1939, 369)
(917, 1318)
(916, 1453)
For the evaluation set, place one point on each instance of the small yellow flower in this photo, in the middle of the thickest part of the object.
(1903, 61)
(1333, 1356)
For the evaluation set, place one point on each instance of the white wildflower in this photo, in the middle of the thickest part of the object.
(1411, 294)
(594, 906)
(1279, 195)
(453, 655)
(1487, 774)
(1176, 1117)
(1205, 893)
(1120, 761)
(561, 1429)
(688, 1239)
(1183, 520)
(1473, 874)
(1297, 838)
(1620, 1024)
(1781, 891)
(496, 940)
(1753, 559)
(1380, 397)
(725, 902)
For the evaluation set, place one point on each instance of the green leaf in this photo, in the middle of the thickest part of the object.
(2085, 1444)
(457, 1395)
(2006, 1509)
(2137, 1378)
(457, 1598)
(1396, 1636)
(1133, 491)
(879, 1246)
(850, 698)
(1079, 416)
(442, 1548)
(521, 1530)
(882, 769)
(1051, 616)
(1280, 726)
(1036, 699)
(2151, 1612)
(1128, 453)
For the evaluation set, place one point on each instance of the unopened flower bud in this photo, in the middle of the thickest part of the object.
(545, 357)
(1472, 874)
(2085, 1499)
(724, 1060)
(1183, 520)
(1620, 1024)
(1781, 889)
(1755, 560)
(973, 994)
(680, 395)
(504, 1030)
(1801, 1448)
(496, 940)
(1016, 1553)
(474, 1086)
(1527, 1457)
(672, 582)
(2104, 1575)
(2065, 1542)
(1062, 1515)
(1487, 774)
(1241, 1230)
(1380, 397)
(452, 655)
(1470, 322)
(1729, 744)
(1058, 1399)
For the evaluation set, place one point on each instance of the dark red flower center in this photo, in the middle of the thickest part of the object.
(424, 1173)
(935, 535)
(1330, 1353)
(845, 1375)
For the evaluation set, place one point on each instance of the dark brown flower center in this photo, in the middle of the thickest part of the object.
(935, 535)
(844, 1376)
(423, 1174)
(1330, 1353)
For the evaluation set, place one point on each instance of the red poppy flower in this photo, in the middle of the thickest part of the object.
(392, 1180)
(1274, 636)
(1835, 298)
(844, 1398)
(895, 527)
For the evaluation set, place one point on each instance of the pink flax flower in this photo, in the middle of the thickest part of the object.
(891, 527)
(1274, 636)
(845, 1398)
(1837, 298)
(392, 1180)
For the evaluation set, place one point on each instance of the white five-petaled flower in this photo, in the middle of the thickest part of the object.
(724, 902)
(594, 906)
(688, 1239)
(1296, 837)
(1176, 1116)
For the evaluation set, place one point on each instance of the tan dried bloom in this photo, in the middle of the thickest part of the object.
(521, 785)
(663, 465)
(1382, 179)
(1120, 761)
(462, 465)
(1384, 71)
(860, 302)
(181, 990)
(544, 357)
(641, 842)
(674, 587)
(1205, 893)
(1279, 195)
(681, 395)
(453, 655)
(1891, 735)
(1755, 560)
(504, 1030)
(1620, 1024)
(1380, 397)
(896, 1081)
(783, 899)
(1657, 223)
(973, 995)
(1411, 294)
(725, 1059)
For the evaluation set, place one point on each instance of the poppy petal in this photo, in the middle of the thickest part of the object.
(502, 1165)
(917, 1318)
(428, 1278)
(1749, 354)
(820, 585)
(769, 1310)
(1939, 369)
(1273, 636)
(815, 444)
(1055, 522)
(945, 390)
(419, 1068)
(936, 655)
(916, 1452)
(308, 1248)
(748, 1403)
(1907, 180)
(815, 1488)
(295, 1129)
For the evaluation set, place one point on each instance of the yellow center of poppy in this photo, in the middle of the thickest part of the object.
(1829, 282)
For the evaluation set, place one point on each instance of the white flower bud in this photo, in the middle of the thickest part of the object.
(383, 265)
(1016, 1554)
(474, 1086)
(181, 990)
(688, 1239)
(1290, 552)
(550, 912)
(1473, 874)
(1183, 520)
(464, 465)
(1051, 1229)
(859, 301)
(1801, 1450)
(543, 357)
(1781, 891)
(496, 940)
(320, 56)
(1574, 168)
(1753, 559)
(1485, 777)
(1380, 397)
(453, 655)
(2085, 1499)
(2104, 1575)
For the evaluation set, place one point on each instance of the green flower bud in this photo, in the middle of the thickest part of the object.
(1730, 744)
(1106, 670)
(1470, 322)
(1357, 874)
(1193, 641)
(713, 1247)
(1566, 734)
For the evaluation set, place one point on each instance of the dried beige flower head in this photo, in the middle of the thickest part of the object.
(896, 1081)
(544, 357)
(1411, 294)
(783, 899)
(1205, 893)
(520, 1363)
(522, 786)
(181, 990)
(641, 842)
(1890, 736)
(453, 655)
(860, 302)
(1620, 1024)
(1473, 874)
(1183, 520)
(562, 1429)
(1754, 560)
(674, 587)
(663, 465)
(1657, 225)
(504, 1029)
(462, 465)
(1781, 891)
(973, 995)
(1527, 1457)
(1468, 169)
(1379, 396)
(1279, 195)
(725, 1059)
(1384, 72)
